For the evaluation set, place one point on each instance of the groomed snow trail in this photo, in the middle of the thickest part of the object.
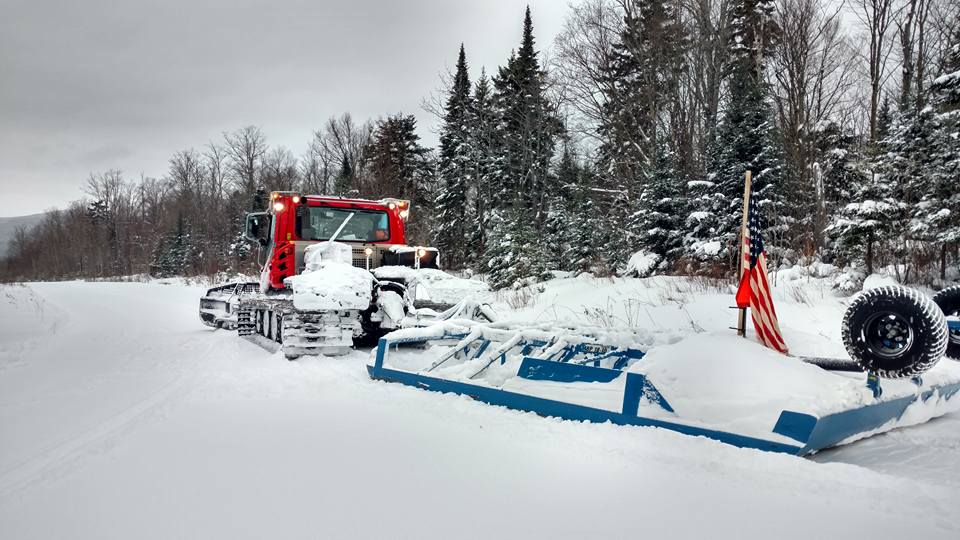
(121, 416)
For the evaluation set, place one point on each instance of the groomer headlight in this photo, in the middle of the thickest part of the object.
(278, 206)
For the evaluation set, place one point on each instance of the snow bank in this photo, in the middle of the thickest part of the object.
(875, 281)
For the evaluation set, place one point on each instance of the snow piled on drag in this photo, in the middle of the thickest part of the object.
(122, 416)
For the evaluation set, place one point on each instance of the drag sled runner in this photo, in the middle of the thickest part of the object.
(896, 338)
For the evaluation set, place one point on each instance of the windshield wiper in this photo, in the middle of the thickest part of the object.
(342, 225)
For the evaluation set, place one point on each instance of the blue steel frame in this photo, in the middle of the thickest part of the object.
(809, 432)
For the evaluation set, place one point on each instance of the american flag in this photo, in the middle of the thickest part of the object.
(754, 291)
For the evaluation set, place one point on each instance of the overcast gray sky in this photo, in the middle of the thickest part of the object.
(90, 85)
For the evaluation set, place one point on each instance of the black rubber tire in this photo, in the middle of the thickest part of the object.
(893, 355)
(949, 302)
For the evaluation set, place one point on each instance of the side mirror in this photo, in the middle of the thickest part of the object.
(258, 227)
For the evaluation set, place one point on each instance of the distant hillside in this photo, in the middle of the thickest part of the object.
(9, 224)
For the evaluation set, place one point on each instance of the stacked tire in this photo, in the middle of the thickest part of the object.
(896, 332)
(949, 302)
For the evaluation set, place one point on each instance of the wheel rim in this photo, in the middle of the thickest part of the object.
(887, 334)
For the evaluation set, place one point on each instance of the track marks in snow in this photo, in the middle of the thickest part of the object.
(95, 380)
(70, 452)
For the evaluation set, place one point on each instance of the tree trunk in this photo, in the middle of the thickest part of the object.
(943, 261)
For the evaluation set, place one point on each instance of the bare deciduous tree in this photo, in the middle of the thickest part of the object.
(246, 148)
(876, 16)
(812, 76)
(707, 56)
(582, 62)
(341, 151)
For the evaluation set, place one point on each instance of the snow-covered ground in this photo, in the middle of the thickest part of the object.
(122, 416)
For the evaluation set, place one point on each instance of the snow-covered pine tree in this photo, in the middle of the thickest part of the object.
(916, 160)
(701, 225)
(944, 188)
(528, 124)
(342, 183)
(581, 218)
(661, 210)
(483, 151)
(559, 223)
(884, 118)
(746, 140)
(909, 168)
(643, 75)
(838, 177)
(173, 251)
(527, 130)
(865, 224)
(456, 172)
(402, 168)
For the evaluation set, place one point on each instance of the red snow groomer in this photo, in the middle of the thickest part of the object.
(336, 270)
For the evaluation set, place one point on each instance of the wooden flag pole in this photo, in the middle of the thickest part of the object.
(742, 318)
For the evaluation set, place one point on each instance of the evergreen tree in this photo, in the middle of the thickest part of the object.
(643, 75)
(454, 215)
(526, 135)
(515, 250)
(861, 225)
(586, 222)
(943, 194)
(171, 257)
(558, 229)
(746, 140)
(884, 119)
(402, 168)
(529, 125)
(661, 209)
(839, 178)
(344, 180)
(483, 151)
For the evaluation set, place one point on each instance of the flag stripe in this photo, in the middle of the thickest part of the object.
(763, 324)
(766, 305)
(774, 324)
(763, 312)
